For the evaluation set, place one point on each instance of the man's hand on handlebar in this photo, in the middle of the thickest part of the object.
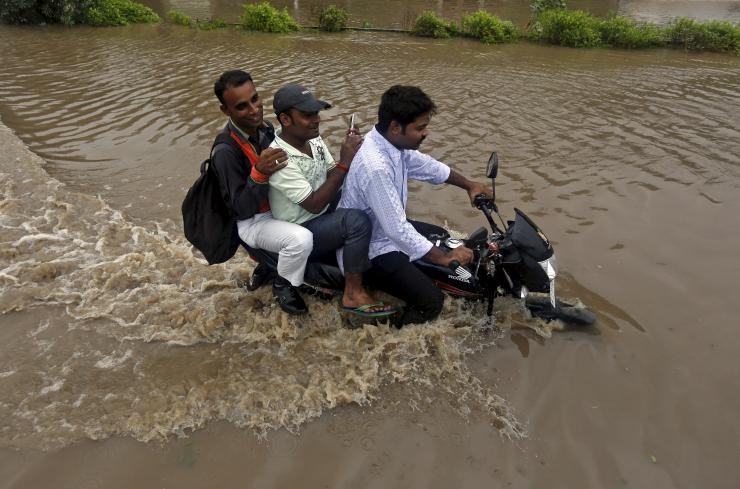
(462, 254)
(476, 189)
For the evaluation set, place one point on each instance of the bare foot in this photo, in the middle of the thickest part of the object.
(360, 297)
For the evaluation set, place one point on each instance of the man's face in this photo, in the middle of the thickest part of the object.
(411, 136)
(301, 125)
(244, 105)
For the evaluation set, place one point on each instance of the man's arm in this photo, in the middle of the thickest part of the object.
(244, 191)
(425, 168)
(321, 197)
(461, 254)
(241, 192)
(385, 203)
(388, 209)
(473, 188)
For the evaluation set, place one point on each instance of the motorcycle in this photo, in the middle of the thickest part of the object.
(515, 260)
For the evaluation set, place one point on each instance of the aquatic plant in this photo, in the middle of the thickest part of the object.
(266, 18)
(488, 28)
(333, 19)
(366, 24)
(429, 24)
(574, 28)
(622, 32)
(708, 36)
(179, 18)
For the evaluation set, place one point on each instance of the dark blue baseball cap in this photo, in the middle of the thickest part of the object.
(297, 96)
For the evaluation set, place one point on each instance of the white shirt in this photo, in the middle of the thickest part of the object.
(377, 184)
(298, 180)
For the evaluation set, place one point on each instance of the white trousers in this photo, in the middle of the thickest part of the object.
(292, 242)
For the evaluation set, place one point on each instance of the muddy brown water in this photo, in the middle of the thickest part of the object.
(125, 361)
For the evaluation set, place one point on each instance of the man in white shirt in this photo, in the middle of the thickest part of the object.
(302, 192)
(377, 184)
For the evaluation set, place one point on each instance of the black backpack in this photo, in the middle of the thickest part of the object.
(208, 222)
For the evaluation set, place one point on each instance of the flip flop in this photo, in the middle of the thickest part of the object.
(363, 310)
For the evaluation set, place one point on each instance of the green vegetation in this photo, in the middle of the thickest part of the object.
(539, 6)
(621, 32)
(333, 19)
(366, 24)
(429, 24)
(266, 18)
(119, 12)
(573, 28)
(66, 12)
(551, 23)
(70, 12)
(180, 18)
(711, 36)
(576, 28)
(489, 28)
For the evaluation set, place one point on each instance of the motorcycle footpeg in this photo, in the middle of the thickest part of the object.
(317, 292)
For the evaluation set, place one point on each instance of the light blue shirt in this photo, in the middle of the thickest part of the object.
(377, 184)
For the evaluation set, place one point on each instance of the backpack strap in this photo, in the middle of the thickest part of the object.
(223, 140)
(246, 148)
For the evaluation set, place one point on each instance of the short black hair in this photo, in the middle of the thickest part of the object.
(231, 78)
(403, 104)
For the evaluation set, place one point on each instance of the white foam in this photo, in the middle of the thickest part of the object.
(43, 325)
(111, 361)
(38, 237)
(53, 387)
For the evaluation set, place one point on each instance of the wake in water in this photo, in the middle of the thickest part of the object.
(117, 328)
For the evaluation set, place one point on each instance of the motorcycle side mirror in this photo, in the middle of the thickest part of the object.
(492, 167)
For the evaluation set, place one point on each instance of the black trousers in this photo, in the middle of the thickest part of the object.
(395, 274)
(348, 228)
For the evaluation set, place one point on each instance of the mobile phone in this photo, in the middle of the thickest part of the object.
(352, 121)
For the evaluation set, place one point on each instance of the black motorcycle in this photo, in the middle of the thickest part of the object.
(510, 261)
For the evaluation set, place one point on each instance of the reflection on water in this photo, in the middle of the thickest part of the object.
(661, 11)
(399, 14)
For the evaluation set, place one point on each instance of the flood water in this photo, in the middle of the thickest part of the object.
(125, 361)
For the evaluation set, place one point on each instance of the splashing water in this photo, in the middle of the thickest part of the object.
(118, 328)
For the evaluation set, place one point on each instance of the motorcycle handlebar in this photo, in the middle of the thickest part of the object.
(481, 200)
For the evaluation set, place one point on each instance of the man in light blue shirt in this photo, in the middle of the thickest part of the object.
(377, 184)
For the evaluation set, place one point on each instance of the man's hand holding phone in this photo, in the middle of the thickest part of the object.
(351, 144)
